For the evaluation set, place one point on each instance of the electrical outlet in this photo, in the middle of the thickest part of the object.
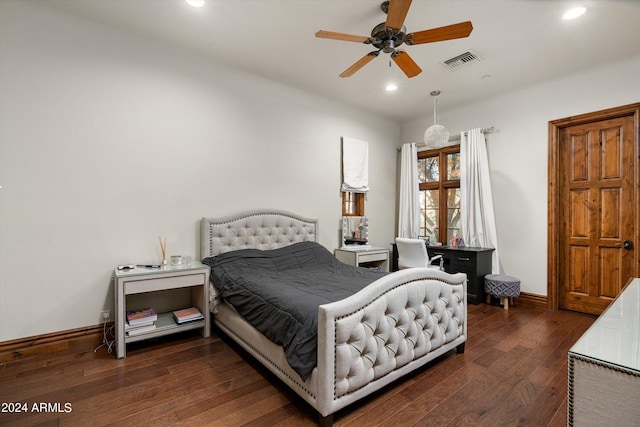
(106, 314)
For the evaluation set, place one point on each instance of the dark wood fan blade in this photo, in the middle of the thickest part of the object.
(449, 32)
(359, 64)
(397, 13)
(341, 36)
(406, 63)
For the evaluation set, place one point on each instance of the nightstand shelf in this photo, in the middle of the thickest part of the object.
(165, 325)
(144, 283)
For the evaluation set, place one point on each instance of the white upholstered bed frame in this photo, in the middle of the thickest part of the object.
(396, 324)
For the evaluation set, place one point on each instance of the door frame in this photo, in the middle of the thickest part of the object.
(554, 220)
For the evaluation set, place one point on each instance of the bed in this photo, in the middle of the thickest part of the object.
(389, 328)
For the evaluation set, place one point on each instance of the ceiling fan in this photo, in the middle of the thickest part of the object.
(388, 35)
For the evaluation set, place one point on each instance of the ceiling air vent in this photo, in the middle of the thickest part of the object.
(461, 60)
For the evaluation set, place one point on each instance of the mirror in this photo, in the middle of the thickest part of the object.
(355, 230)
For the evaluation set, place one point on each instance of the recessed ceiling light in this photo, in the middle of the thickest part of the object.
(195, 3)
(391, 87)
(574, 12)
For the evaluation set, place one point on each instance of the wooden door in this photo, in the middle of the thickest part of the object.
(598, 211)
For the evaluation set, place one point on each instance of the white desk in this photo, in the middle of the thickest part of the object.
(604, 366)
(364, 256)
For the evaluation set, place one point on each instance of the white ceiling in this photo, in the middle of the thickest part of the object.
(520, 42)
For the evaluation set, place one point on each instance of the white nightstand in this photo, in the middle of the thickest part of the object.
(370, 257)
(145, 280)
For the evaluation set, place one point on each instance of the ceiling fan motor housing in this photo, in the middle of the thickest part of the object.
(386, 38)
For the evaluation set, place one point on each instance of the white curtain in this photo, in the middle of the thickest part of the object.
(478, 219)
(409, 212)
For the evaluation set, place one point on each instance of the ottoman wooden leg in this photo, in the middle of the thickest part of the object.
(488, 298)
(505, 301)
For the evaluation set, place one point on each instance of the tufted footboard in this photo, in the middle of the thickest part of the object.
(388, 329)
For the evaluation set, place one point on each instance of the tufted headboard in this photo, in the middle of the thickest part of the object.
(255, 229)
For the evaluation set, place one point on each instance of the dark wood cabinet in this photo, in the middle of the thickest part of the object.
(474, 262)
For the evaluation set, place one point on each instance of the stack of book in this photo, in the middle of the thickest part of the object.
(141, 321)
(187, 315)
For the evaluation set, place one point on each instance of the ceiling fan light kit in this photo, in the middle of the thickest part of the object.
(391, 34)
(436, 136)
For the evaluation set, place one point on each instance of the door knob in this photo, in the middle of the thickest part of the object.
(627, 244)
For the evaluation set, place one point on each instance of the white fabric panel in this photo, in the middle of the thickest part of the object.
(409, 209)
(478, 219)
(355, 165)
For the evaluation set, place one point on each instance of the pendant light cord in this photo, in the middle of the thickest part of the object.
(435, 110)
(435, 94)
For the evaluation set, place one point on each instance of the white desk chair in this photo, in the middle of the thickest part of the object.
(413, 253)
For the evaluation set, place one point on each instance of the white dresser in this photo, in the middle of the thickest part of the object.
(604, 366)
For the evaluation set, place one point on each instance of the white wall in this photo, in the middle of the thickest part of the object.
(108, 141)
(518, 154)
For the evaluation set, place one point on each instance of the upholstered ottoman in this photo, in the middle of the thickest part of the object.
(501, 286)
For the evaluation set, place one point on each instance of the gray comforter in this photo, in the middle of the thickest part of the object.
(278, 291)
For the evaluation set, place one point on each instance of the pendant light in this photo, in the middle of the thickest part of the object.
(436, 136)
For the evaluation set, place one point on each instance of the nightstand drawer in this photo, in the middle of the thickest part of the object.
(381, 256)
(156, 284)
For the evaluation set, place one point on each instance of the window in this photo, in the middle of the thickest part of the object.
(352, 203)
(439, 177)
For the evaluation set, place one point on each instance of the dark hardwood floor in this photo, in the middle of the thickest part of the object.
(513, 372)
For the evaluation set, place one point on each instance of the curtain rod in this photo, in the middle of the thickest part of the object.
(483, 130)
(455, 137)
